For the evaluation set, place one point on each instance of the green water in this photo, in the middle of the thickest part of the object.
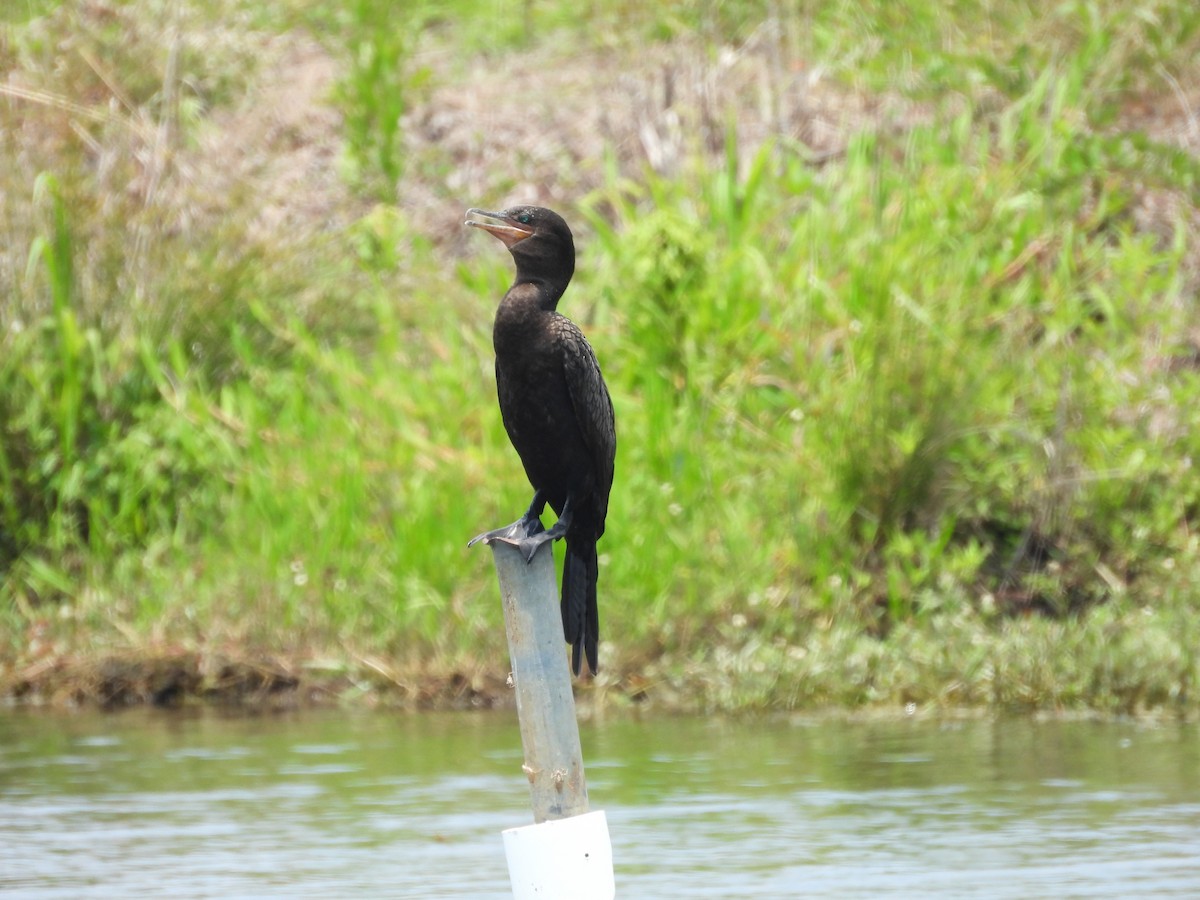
(337, 805)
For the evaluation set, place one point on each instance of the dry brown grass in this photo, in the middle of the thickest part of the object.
(560, 115)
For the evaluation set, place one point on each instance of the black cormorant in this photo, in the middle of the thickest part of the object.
(556, 410)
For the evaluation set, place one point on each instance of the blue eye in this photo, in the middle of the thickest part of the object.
(524, 218)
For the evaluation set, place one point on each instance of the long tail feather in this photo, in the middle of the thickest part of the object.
(580, 616)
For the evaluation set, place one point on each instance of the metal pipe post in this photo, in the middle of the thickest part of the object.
(542, 680)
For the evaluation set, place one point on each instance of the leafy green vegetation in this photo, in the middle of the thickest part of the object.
(908, 420)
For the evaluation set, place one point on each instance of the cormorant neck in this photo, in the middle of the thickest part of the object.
(547, 291)
(547, 262)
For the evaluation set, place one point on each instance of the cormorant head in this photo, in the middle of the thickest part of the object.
(538, 239)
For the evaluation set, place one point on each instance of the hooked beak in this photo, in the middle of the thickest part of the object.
(506, 229)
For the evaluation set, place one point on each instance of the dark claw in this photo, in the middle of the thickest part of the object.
(529, 546)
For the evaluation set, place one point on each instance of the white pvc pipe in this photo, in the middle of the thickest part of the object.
(561, 859)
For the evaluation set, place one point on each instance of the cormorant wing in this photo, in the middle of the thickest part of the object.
(593, 409)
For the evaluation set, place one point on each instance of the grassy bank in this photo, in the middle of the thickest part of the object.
(898, 310)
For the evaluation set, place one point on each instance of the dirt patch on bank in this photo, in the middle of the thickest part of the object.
(171, 678)
(549, 129)
(277, 150)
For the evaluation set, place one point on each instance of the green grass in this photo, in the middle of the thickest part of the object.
(910, 426)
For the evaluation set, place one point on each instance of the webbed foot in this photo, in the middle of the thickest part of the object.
(530, 545)
(519, 531)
